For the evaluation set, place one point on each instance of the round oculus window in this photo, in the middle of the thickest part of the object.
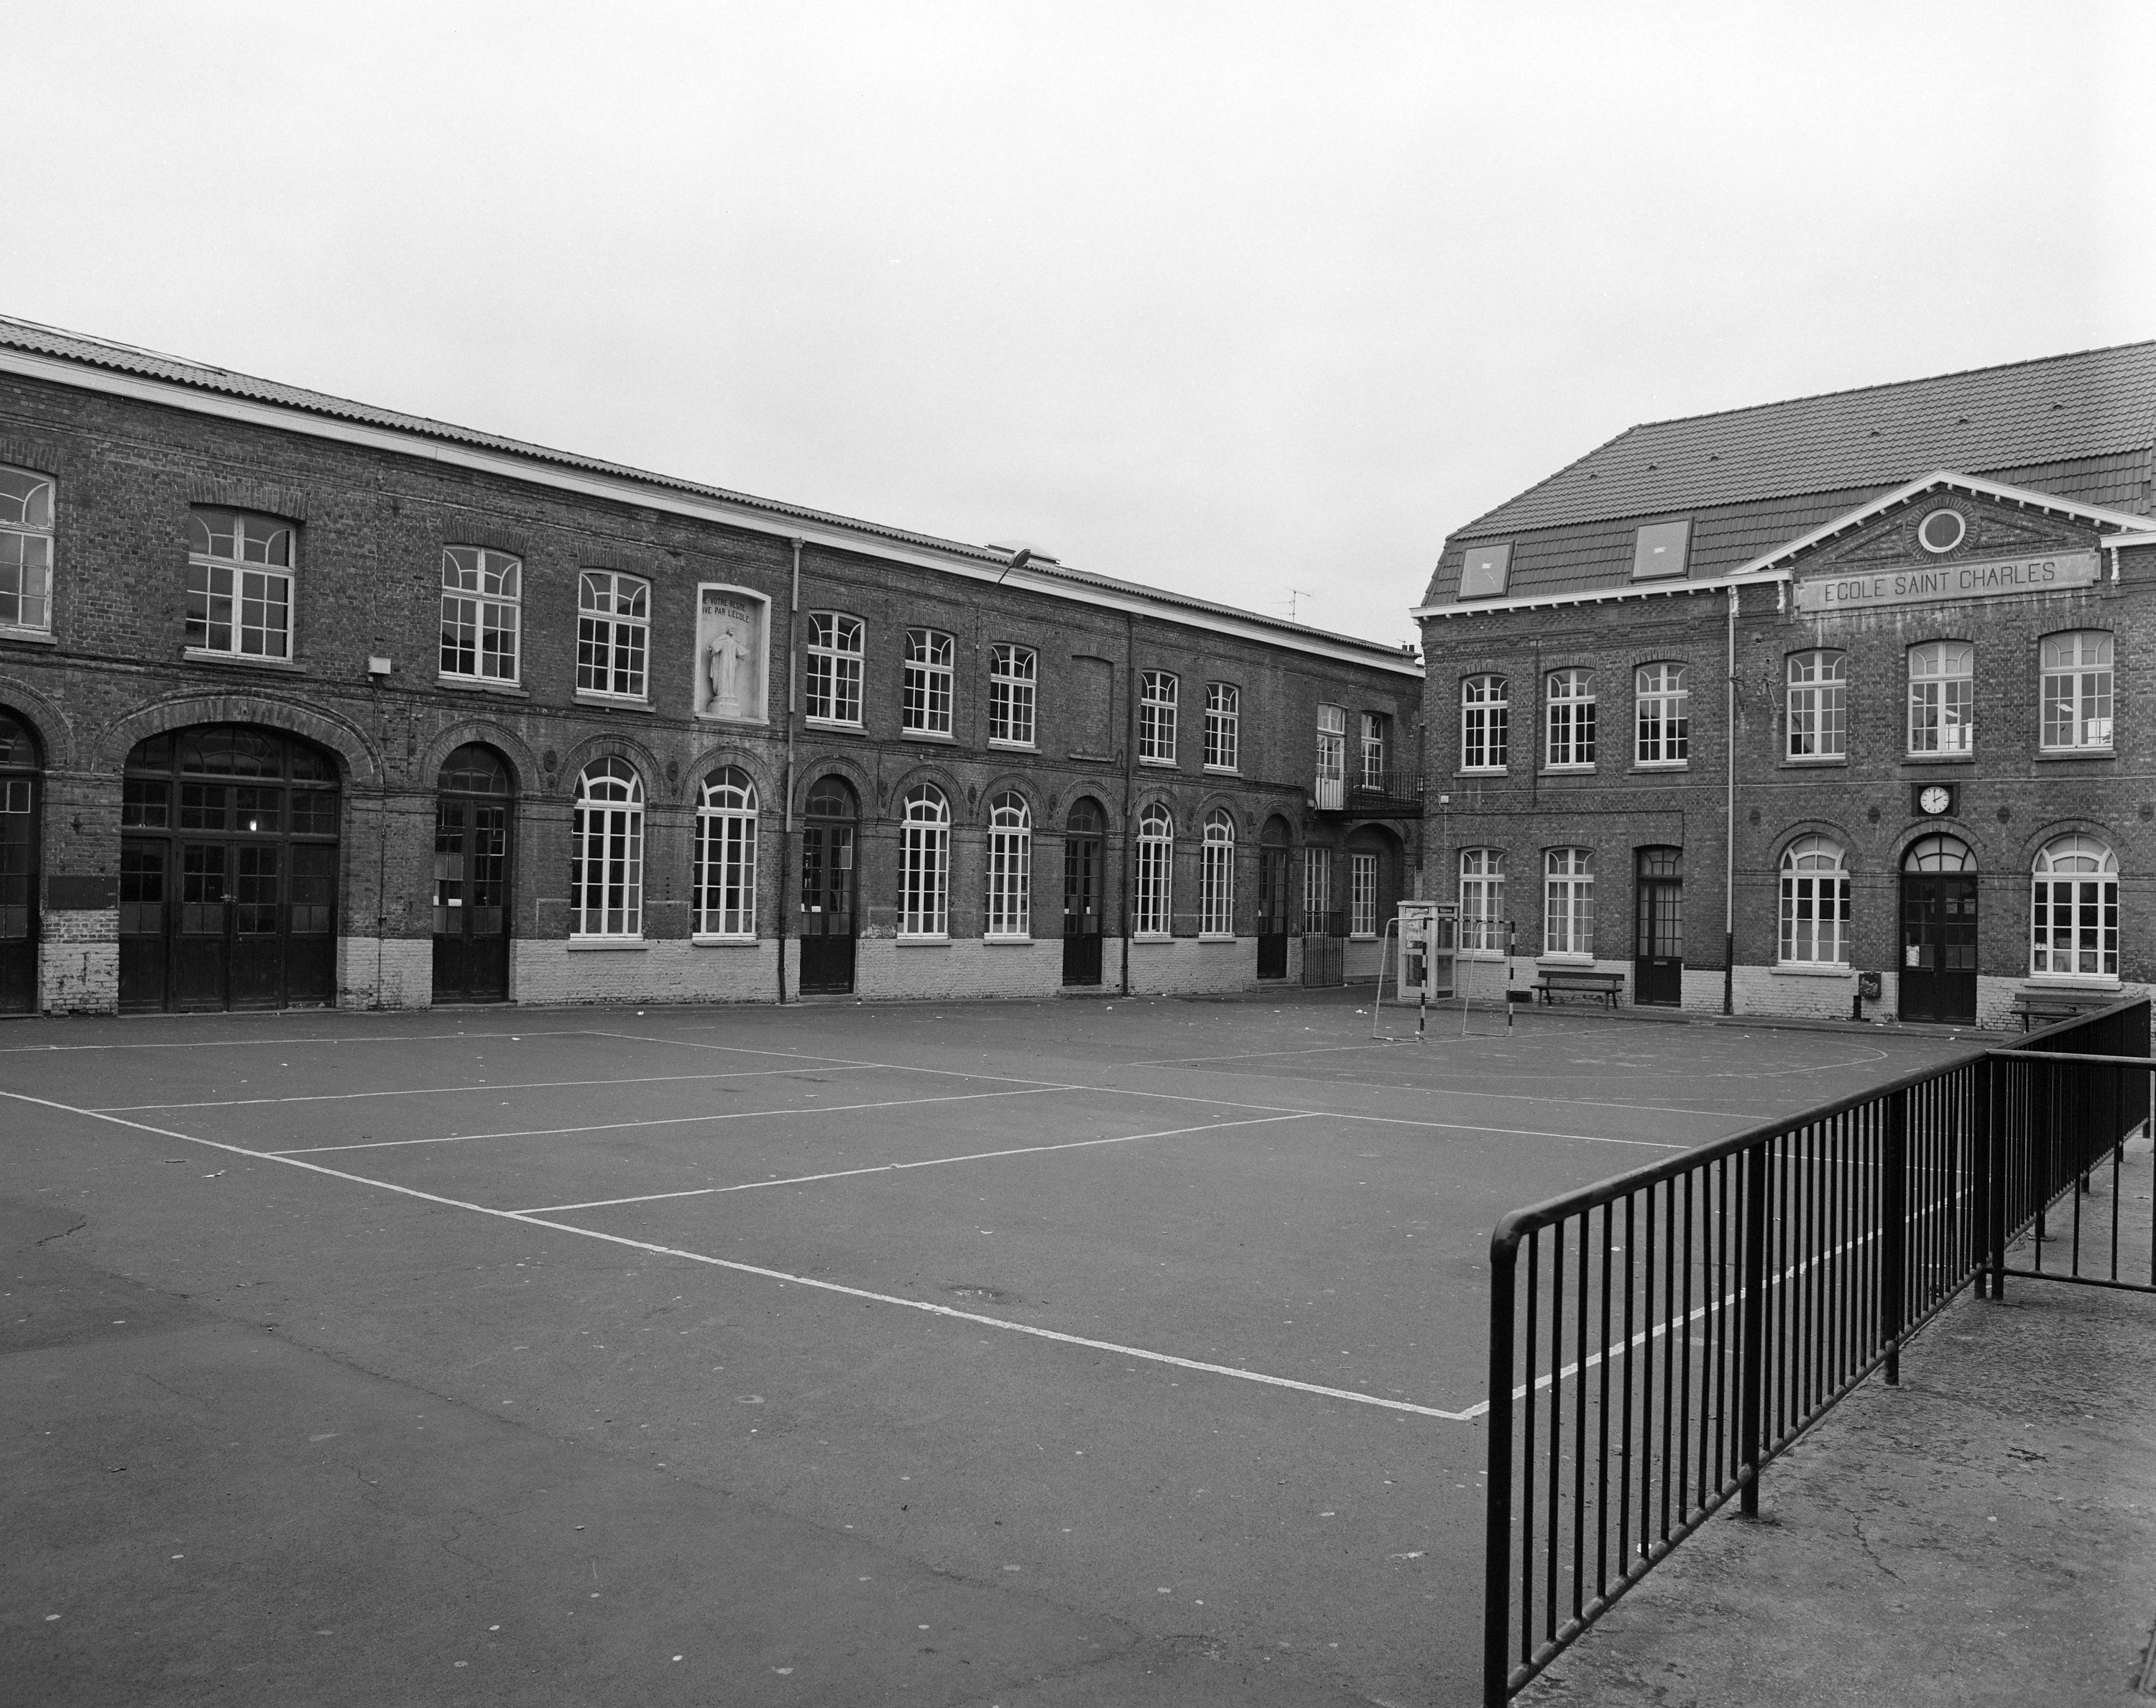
(1942, 531)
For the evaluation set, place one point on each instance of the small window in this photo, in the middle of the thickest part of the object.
(482, 594)
(1361, 894)
(2074, 914)
(1157, 719)
(2076, 691)
(1819, 711)
(605, 852)
(25, 551)
(1155, 873)
(614, 633)
(724, 902)
(1569, 714)
(834, 691)
(927, 696)
(239, 585)
(1216, 877)
(1224, 703)
(1010, 866)
(1943, 697)
(1815, 904)
(1569, 902)
(1374, 745)
(924, 876)
(1664, 704)
(1484, 571)
(1659, 549)
(1011, 681)
(1485, 710)
(1483, 900)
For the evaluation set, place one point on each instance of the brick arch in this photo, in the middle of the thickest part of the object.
(842, 765)
(954, 792)
(1961, 832)
(2034, 841)
(1841, 835)
(1060, 809)
(523, 763)
(362, 762)
(648, 764)
(42, 714)
(722, 753)
(1039, 801)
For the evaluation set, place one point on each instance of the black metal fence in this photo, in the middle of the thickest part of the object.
(1656, 1339)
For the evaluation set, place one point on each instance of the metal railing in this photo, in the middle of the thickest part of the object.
(1656, 1339)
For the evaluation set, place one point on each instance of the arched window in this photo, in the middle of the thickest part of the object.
(1815, 904)
(2077, 689)
(1010, 866)
(1569, 707)
(1938, 853)
(1568, 902)
(1486, 712)
(605, 852)
(482, 595)
(613, 633)
(1216, 877)
(1943, 697)
(1156, 864)
(2073, 925)
(925, 698)
(724, 898)
(1157, 719)
(1481, 899)
(1664, 705)
(1819, 713)
(924, 878)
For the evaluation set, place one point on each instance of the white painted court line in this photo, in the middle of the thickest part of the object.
(700, 1192)
(290, 1043)
(781, 1276)
(482, 1085)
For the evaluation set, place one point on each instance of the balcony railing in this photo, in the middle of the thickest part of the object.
(1374, 794)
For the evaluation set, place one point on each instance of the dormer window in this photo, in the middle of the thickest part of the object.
(1484, 571)
(1659, 549)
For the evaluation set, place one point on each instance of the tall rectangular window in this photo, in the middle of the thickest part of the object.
(1010, 866)
(833, 690)
(1156, 862)
(1819, 714)
(1665, 715)
(239, 585)
(1363, 895)
(1485, 710)
(926, 696)
(25, 551)
(1224, 704)
(1569, 902)
(924, 870)
(613, 629)
(1317, 891)
(2076, 690)
(1216, 876)
(1331, 757)
(1815, 904)
(1157, 719)
(1943, 697)
(724, 902)
(1374, 749)
(482, 594)
(1481, 899)
(1012, 680)
(1569, 711)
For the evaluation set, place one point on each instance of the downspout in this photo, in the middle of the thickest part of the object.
(1729, 828)
(786, 837)
(1130, 781)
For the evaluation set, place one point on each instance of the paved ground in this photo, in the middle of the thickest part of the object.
(1030, 1354)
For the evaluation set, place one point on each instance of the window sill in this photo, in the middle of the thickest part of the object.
(1216, 937)
(1938, 758)
(1362, 936)
(1008, 941)
(1565, 771)
(1481, 771)
(29, 637)
(836, 728)
(938, 940)
(1480, 955)
(1157, 764)
(467, 685)
(1152, 937)
(588, 946)
(2044, 756)
(1014, 746)
(1808, 761)
(1564, 957)
(620, 702)
(203, 655)
(1802, 969)
(928, 736)
(1224, 771)
(1661, 765)
(722, 939)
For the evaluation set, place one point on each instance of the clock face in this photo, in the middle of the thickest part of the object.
(1935, 799)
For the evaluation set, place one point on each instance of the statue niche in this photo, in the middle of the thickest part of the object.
(731, 624)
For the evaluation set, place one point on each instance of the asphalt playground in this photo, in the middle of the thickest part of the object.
(1028, 1354)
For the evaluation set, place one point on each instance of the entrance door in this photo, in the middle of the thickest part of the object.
(1272, 900)
(827, 888)
(18, 870)
(1938, 932)
(471, 879)
(1084, 843)
(1658, 943)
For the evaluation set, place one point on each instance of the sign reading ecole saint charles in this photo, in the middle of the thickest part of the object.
(1925, 584)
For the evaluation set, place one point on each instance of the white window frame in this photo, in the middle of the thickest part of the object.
(1817, 704)
(1814, 922)
(1216, 877)
(2077, 686)
(1153, 909)
(1568, 903)
(1662, 723)
(614, 635)
(29, 502)
(482, 616)
(1316, 884)
(1486, 723)
(924, 873)
(1373, 744)
(832, 693)
(724, 901)
(926, 694)
(1481, 902)
(1014, 677)
(1361, 895)
(1568, 719)
(606, 837)
(1157, 717)
(1010, 869)
(1943, 697)
(1223, 717)
(253, 580)
(1331, 757)
(2073, 911)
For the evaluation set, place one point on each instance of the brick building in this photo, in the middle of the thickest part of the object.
(1845, 703)
(303, 701)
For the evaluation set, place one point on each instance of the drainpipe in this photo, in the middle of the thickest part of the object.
(1729, 829)
(785, 836)
(1130, 781)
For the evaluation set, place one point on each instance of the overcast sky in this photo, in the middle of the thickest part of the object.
(1235, 299)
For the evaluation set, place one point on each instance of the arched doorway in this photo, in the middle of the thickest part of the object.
(21, 776)
(1272, 899)
(828, 832)
(1658, 939)
(228, 871)
(472, 811)
(1085, 842)
(1938, 932)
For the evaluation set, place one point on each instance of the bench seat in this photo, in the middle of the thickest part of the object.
(2043, 1007)
(1581, 981)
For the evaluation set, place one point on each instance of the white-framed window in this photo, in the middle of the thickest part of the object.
(1361, 894)
(614, 633)
(1374, 749)
(482, 605)
(924, 871)
(1156, 880)
(725, 899)
(1316, 889)
(1664, 704)
(605, 852)
(1568, 719)
(1010, 866)
(1013, 676)
(1486, 715)
(1819, 709)
(1815, 904)
(1216, 877)
(1568, 902)
(834, 691)
(25, 551)
(1157, 719)
(1943, 697)
(2076, 690)
(925, 708)
(1481, 899)
(1331, 757)
(1224, 709)
(2073, 926)
(239, 584)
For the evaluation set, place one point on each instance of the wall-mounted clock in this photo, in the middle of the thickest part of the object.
(1935, 800)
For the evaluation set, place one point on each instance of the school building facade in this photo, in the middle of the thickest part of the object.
(1844, 706)
(304, 702)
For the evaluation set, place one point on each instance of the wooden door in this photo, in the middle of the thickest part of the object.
(1939, 948)
(827, 896)
(1272, 913)
(1658, 942)
(1082, 860)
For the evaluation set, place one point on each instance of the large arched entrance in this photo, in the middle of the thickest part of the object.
(471, 877)
(21, 781)
(828, 825)
(1938, 932)
(228, 871)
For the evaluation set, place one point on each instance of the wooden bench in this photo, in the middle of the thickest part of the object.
(2043, 1007)
(1579, 981)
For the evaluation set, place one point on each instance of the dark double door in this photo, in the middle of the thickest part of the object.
(471, 900)
(18, 891)
(1272, 913)
(826, 908)
(1939, 948)
(1083, 857)
(1658, 938)
(227, 923)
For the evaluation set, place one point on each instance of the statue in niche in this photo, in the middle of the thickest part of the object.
(731, 685)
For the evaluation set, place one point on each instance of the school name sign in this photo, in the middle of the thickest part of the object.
(1870, 588)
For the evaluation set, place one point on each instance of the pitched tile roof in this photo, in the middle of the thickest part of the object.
(2060, 408)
